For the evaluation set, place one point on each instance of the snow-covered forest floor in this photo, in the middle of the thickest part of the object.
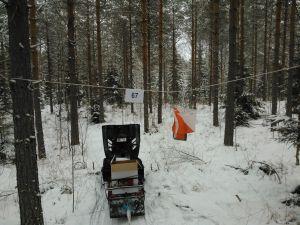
(190, 182)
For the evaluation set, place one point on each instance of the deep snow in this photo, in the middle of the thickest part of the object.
(186, 182)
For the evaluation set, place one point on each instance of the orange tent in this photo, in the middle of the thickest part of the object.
(180, 127)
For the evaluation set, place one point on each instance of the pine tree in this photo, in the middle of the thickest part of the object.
(232, 71)
(49, 67)
(144, 26)
(291, 59)
(36, 76)
(215, 60)
(276, 58)
(265, 67)
(99, 63)
(89, 54)
(130, 50)
(72, 73)
(24, 135)
(149, 61)
(174, 64)
(160, 62)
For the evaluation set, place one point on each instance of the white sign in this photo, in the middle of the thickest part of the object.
(134, 95)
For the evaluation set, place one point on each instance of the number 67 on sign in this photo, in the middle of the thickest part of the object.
(134, 95)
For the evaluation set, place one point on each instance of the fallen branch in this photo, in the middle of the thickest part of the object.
(190, 155)
(244, 171)
(268, 169)
(238, 197)
(7, 194)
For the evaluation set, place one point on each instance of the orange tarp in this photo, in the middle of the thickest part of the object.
(180, 128)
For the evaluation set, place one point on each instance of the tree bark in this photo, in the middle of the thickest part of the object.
(36, 76)
(282, 76)
(149, 56)
(195, 83)
(242, 38)
(160, 61)
(125, 55)
(50, 67)
(284, 36)
(25, 143)
(254, 50)
(222, 68)
(276, 65)
(144, 26)
(215, 60)
(269, 50)
(240, 85)
(232, 70)
(89, 54)
(210, 55)
(130, 51)
(72, 73)
(99, 63)
(165, 79)
(175, 95)
(264, 78)
(193, 97)
(298, 138)
(291, 59)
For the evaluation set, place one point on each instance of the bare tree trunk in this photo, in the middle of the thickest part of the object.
(72, 73)
(264, 78)
(2, 59)
(99, 63)
(240, 85)
(276, 65)
(130, 51)
(89, 54)
(215, 60)
(174, 85)
(165, 80)
(193, 97)
(232, 70)
(160, 61)
(199, 72)
(145, 57)
(298, 138)
(4, 84)
(291, 59)
(210, 56)
(149, 56)
(195, 83)
(222, 69)
(25, 147)
(269, 50)
(254, 49)
(125, 55)
(200, 62)
(282, 76)
(210, 75)
(50, 67)
(242, 38)
(36, 76)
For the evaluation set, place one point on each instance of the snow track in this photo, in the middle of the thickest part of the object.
(187, 183)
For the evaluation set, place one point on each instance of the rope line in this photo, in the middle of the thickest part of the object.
(35, 81)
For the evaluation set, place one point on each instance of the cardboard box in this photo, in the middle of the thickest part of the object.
(127, 170)
(124, 169)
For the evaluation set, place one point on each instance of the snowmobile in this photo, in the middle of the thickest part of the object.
(123, 171)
